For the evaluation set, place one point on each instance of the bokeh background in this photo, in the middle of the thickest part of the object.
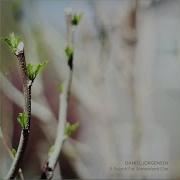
(125, 90)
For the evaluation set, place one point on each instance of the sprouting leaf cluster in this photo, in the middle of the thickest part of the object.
(23, 120)
(13, 151)
(76, 19)
(34, 70)
(70, 128)
(61, 87)
(12, 41)
(51, 150)
(69, 51)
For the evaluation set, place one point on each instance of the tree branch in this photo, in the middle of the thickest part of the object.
(27, 110)
(63, 109)
(44, 115)
(10, 153)
(38, 110)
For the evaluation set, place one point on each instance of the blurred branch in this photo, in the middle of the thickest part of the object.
(137, 128)
(131, 40)
(10, 153)
(64, 99)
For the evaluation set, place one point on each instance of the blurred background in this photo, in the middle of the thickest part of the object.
(125, 90)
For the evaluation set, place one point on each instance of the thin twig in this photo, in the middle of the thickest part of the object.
(39, 110)
(63, 109)
(27, 109)
(11, 155)
(44, 115)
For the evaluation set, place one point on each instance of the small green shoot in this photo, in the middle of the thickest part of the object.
(51, 150)
(13, 151)
(61, 87)
(76, 19)
(69, 53)
(12, 41)
(23, 120)
(34, 70)
(70, 128)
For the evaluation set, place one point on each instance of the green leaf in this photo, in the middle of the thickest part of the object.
(70, 128)
(51, 150)
(39, 68)
(13, 151)
(76, 19)
(30, 71)
(61, 87)
(34, 70)
(69, 52)
(12, 41)
(23, 120)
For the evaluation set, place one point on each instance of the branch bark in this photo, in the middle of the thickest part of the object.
(63, 109)
(39, 110)
(27, 109)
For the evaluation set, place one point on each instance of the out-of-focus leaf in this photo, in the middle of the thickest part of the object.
(70, 128)
(61, 87)
(23, 120)
(76, 19)
(51, 150)
(69, 52)
(13, 151)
